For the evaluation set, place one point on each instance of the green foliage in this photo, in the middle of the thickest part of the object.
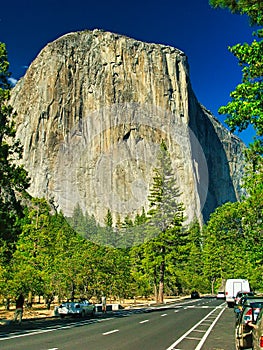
(253, 179)
(252, 8)
(83, 224)
(121, 234)
(4, 73)
(13, 177)
(223, 237)
(165, 209)
(163, 226)
(108, 219)
(233, 234)
(232, 246)
(189, 261)
(52, 259)
(246, 105)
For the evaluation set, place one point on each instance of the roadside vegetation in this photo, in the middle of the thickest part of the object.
(43, 253)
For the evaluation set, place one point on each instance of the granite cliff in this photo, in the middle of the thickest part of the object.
(92, 110)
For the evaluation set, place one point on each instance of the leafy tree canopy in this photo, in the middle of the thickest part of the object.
(252, 8)
(246, 105)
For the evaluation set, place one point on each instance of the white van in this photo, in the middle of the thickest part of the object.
(232, 287)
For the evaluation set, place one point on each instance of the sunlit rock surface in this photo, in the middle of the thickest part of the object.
(92, 110)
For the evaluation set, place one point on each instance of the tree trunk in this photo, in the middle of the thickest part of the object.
(161, 279)
(212, 285)
(161, 289)
(29, 300)
(156, 292)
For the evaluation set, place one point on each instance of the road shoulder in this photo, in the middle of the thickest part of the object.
(222, 333)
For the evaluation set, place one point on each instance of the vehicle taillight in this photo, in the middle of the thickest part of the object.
(248, 315)
(261, 341)
(249, 312)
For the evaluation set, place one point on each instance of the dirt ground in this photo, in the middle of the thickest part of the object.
(34, 312)
(40, 310)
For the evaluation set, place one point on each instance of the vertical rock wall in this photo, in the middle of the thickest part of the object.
(92, 110)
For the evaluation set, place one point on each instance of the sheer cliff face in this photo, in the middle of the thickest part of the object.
(92, 110)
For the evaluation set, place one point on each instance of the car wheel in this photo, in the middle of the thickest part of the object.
(62, 316)
(247, 342)
(242, 344)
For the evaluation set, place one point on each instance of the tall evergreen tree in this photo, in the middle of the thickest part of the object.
(108, 219)
(13, 177)
(164, 223)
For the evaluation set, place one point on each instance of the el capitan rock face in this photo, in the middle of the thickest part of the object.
(92, 110)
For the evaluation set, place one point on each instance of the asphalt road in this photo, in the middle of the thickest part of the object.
(202, 324)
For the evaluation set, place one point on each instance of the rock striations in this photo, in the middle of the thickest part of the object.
(92, 110)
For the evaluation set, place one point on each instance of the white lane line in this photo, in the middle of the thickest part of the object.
(29, 334)
(199, 346)
(163, 315)
(53, 349)
(49, 329)
(189, 331)
(144, 321)
(110, 332)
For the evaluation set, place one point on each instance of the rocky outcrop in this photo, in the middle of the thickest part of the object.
(92, 110)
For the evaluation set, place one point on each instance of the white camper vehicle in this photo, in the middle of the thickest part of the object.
(233, 286)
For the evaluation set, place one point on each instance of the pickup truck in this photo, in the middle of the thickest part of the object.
(80, 309)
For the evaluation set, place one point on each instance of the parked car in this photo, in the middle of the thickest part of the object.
(257, 333)
(247, 316)
(242, 294)
(81, 308)
(195, 295)
(221, 295)
(245, 300)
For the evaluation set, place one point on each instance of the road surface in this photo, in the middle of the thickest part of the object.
(201, 324)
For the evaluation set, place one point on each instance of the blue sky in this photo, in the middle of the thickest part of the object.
(203, 33)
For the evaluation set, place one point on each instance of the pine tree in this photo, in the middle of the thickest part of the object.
(165, 221)
(13, 177)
